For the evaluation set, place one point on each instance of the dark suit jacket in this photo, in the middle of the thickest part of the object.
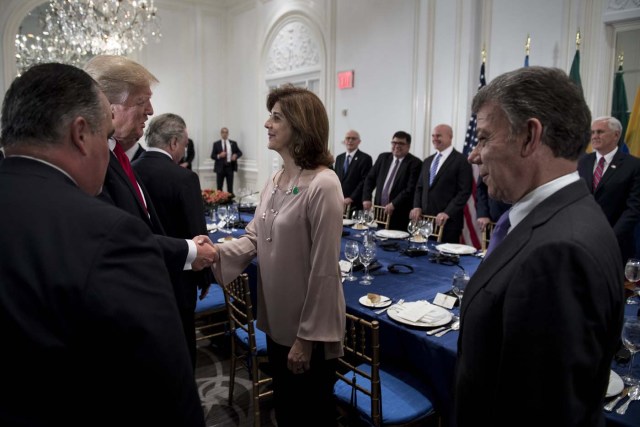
(118, 191)
(618, 194)
(401, 192)
(541, 320)
(190, 154)
(88, 313)
(353, 181)
(486, 207)
(138, 153)
(449, 193)
(219, 165)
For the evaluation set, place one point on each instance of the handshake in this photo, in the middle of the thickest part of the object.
(207, 253)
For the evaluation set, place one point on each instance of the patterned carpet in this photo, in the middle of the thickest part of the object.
(212, 377)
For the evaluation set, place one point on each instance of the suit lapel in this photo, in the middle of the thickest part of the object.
(450, 159)
(114, 164)
(517, 238)
(616, 162)
(587, 170)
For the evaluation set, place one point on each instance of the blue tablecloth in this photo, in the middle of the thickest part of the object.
(429, 357)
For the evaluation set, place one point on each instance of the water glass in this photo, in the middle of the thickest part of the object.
(367, 255)
(632, 273)
(631, 340)
(351, 252)
(460, 280)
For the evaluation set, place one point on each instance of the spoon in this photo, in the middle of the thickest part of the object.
(454, 327)
(454, 319)
(634, 394)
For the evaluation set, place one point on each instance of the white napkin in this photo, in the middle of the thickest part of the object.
(211, 227)
(345, 266)
(422, 311)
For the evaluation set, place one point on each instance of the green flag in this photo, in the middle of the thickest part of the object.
(574, 73)
(619, 106)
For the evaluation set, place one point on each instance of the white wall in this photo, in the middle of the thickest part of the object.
(416, 62)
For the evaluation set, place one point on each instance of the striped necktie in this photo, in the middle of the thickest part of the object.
(597, 174)
(434, 169)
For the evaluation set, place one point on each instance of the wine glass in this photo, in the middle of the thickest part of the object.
(369, 217)
(367, 254)
(460, 280)
(351, 252)
(232, 215)
(631, 340)
(358, 218)
(632, 273)
(223, 214)
(425, 230)
(413, 229)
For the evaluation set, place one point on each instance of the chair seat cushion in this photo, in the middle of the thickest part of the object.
(261, 339)
(213, 301)
(403, 397)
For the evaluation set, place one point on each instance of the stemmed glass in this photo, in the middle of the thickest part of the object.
(232, 216)
(351, 252)
(358, 217)
(367, 254)
(426, 228)
(632, 273)
(369, 218)
(460, 280)
(413, 228)
(223, 214)
(631, 340)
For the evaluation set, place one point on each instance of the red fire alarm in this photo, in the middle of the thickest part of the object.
(345, 79)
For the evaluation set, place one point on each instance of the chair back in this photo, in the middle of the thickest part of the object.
(211, 314)
(437, 230)
(346, 214)
(381, 216)
(486, 235)
(362, 347)
(237, 295)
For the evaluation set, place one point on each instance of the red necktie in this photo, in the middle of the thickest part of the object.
(597, 174)
(126, 165)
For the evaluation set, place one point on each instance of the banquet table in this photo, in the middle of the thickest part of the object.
(428, 357)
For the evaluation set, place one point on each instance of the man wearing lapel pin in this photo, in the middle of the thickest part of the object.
(352, 168)
(444, 185)
(542, 315)
(614, 179)
(393, 176)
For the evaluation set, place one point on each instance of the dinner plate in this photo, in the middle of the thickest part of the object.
(439, 316)
(615, 384)
(226, 239)
(346, 222)
(457, 249)
(392, 234)
(384, 301)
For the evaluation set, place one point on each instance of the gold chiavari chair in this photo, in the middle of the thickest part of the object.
(381, 217)
(486, 235)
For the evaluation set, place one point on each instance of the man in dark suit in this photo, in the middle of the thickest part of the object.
(226, 154)
(393, 176)
(130, 98)
(190, 154)
(444, 185)
(616, 183)
(176, 193)
(99, 335)
(352, 168)
(543, 312)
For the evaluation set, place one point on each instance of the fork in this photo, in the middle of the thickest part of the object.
(400, 302)
(634, 394)
(609, 406)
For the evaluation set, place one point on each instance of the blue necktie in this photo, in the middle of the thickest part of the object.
(434, 169)
(499, 232)
(345, 166)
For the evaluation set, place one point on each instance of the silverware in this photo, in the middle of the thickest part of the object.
(442, 328)
(400, 302)
(609, 406)
(634, 394)
(454, 327)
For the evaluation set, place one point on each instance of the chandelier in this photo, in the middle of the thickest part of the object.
(72, 31)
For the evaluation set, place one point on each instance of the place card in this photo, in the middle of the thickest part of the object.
(445, 301)
(221, 224)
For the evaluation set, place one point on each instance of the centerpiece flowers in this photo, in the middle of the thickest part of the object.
(212, 198)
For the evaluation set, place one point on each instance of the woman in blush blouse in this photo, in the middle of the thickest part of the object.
(296, 236)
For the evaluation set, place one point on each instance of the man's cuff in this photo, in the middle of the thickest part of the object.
(191, 256)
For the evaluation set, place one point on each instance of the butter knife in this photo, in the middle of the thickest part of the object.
(609, 406)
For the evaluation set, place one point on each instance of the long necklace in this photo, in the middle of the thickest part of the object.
(293, 189)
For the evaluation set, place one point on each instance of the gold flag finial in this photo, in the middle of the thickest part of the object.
(484, 54)
(578, 39)
(620, 58)
(527, 45)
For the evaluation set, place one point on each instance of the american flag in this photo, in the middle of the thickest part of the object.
(471, 232)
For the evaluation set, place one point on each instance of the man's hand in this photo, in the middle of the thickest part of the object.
(441, 218)
(389, 209)
(222, 155)
(234, 157)
(482, 222)
(415, 214)
(348, 201)
(366, 205)
(207, 253)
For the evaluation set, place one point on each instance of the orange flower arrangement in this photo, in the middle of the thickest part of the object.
(215, 197)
